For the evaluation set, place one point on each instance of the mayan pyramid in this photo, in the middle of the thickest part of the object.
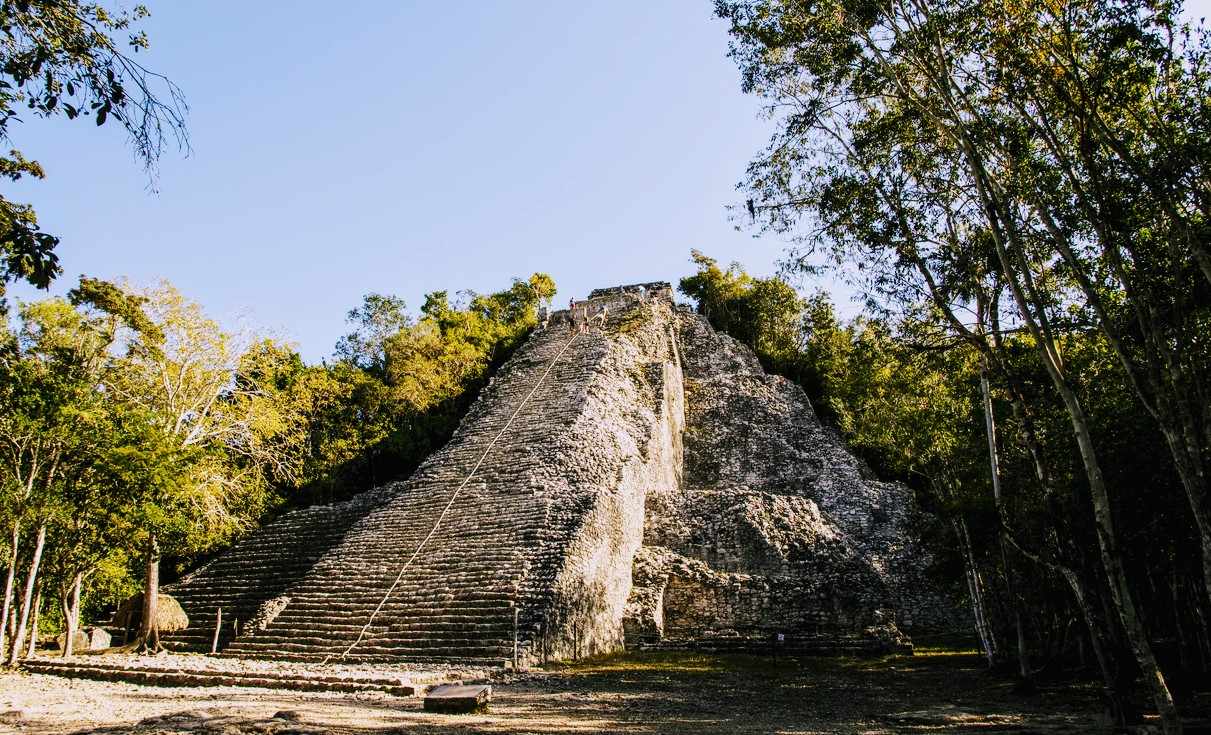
(639, 482)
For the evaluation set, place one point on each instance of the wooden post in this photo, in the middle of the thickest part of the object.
(235, 624)
(515, 637)
(218, 625)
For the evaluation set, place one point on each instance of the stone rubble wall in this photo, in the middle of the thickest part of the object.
(777, 528)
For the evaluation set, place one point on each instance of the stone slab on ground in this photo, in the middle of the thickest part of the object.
(458, 698)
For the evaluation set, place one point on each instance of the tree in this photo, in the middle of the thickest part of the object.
(400, 383)
(40, 403)
(213, 438)
(56, 430)
(376, 321)
(764, 313)
(64, 57)
(933, 145)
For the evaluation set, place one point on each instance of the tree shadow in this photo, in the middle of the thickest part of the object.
(671, 693)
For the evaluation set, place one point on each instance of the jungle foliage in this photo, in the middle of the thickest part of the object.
(1026, 182)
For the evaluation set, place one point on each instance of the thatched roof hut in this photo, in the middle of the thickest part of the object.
(170, 616)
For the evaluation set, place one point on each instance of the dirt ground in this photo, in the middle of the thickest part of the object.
(646, 693)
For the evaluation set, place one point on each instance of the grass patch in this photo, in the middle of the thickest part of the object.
(700, 663)
(945, 644)
(943, 651)
(632, 321)
(660, 662)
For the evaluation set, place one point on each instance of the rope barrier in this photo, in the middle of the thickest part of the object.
(459, 489)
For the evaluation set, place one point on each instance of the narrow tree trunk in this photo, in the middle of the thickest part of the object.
(77, 596)
(27, 602)
(9, 581)
(33, 634)
(1185, 450)
(975, 592)
(149, 633)
(1112, 561)
(71, 615)
(990, 429)
(1117, 698)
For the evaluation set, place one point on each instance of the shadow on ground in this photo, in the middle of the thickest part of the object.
(941, 691)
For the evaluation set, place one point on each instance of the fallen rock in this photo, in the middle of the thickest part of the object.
(458, 698)
(98, 638)
(79, 641)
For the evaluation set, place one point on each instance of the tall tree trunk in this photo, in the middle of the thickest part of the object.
(149, 633)
(976, 593)
(1112, 561)
(1116, 689)
(9, 581)
(27, 602)
(1185, 449)
(71, 615)
(990, 428)
(33, 632)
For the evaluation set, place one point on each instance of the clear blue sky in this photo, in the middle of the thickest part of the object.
(405, 147)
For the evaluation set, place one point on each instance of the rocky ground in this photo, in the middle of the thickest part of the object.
(655, 693)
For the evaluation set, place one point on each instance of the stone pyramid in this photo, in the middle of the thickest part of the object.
(639, 481)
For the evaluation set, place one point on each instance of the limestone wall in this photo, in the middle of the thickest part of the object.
(776, 528)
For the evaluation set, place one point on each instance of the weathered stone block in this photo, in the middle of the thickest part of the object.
(458, 698)
(79, 641)
(98, 638)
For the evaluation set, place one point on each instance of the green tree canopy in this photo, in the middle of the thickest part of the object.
(75, 59)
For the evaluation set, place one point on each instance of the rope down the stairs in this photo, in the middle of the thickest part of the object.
(454, 496)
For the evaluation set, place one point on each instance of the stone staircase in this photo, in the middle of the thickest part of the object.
(259, 568)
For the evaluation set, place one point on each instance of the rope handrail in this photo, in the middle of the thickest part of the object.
(454, 496)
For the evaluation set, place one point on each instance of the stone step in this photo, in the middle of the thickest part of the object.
(261, 679)
(407, 650)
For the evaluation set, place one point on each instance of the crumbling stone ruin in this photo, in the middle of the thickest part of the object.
(636, 481)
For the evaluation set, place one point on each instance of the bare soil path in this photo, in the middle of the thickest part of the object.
(650, 693)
